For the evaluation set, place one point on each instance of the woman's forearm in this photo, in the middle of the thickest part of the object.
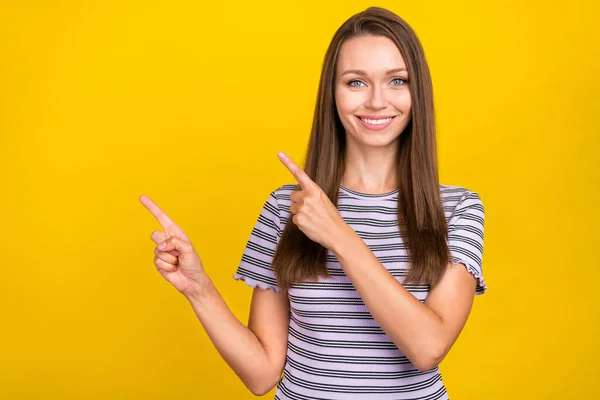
(414, 328)
(238, 345)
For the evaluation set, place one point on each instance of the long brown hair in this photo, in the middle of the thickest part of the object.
(421, 217)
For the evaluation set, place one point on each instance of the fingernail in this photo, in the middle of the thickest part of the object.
(162, 245)
(281, 155)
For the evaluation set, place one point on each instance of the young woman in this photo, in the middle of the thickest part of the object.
(364, 272)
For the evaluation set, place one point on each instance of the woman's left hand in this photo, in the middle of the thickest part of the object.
(312, 210)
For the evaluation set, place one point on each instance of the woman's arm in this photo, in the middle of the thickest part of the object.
(424, 332)
(255, 353)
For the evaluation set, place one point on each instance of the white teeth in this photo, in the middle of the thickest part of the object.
(376, 121)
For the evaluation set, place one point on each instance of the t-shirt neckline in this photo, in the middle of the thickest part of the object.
(369, 196)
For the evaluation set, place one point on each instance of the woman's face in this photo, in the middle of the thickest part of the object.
(371, 91)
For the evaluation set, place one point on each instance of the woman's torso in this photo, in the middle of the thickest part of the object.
(336, 350)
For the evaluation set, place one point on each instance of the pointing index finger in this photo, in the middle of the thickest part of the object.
(162, 218)
(303, 179)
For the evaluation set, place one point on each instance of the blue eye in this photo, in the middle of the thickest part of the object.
(396, 82)
(351, 83)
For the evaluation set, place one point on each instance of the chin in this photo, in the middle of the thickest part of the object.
(376, 140)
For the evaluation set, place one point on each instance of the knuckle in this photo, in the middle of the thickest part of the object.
(163, 265)
(165, 257)
(160, 254)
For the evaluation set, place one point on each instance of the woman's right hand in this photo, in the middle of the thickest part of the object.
(177, 261)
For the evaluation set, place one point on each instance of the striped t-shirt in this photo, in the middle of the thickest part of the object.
(336, 350)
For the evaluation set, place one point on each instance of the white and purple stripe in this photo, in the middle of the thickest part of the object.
(336, 350)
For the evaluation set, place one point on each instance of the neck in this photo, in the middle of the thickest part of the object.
(371, 170)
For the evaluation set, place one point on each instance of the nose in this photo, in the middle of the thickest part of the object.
(376, 98)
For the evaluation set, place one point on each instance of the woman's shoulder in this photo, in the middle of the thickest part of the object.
(282, 193)
(286, 189)
(280, 196)
(456, 196)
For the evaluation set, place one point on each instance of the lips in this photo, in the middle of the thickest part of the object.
(375, 123)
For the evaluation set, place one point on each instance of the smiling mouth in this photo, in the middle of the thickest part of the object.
(375, 123)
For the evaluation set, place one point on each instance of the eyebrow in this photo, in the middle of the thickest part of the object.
(362, 72)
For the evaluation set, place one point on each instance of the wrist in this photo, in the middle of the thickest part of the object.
(345, 239)
(199, 289)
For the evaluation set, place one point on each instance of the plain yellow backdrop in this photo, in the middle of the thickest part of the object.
(189, 103)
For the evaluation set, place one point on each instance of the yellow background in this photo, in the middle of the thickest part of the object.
(189, 103)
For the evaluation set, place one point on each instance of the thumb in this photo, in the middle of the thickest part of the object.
(175, 243)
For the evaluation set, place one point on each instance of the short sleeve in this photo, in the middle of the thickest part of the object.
(465, 236)
(255, 266)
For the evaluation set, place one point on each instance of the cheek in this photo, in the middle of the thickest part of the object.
(403, 103)
(347, 103)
